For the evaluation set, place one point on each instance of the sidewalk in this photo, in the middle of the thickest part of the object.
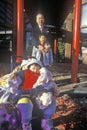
(62, 76)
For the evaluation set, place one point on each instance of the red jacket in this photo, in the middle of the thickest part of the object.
(29, 79)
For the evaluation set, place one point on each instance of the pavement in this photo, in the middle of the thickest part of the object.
(62, 76)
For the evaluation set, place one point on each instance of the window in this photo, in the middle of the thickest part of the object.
(84, 18)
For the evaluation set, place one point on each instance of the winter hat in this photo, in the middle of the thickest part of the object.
(24, 62)
(34, 61)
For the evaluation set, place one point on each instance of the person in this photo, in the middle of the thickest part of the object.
(27, 77)
(44, 51)
(40, 97)
(38, 28)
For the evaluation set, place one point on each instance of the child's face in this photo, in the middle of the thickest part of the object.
(35, 68)
(42, 39)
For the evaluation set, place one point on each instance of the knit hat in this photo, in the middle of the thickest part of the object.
(34, 61)
(24, 62)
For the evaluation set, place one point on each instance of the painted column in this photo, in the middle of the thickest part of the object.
(55, 46)
(20, 30)
(76, 39)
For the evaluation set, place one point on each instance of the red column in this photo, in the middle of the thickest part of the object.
(55, 46)
(76, 39)
(20, 29)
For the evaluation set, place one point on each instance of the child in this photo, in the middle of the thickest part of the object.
(11, 82)
(28, 78)
(41, 100)
(44, 51)
(25, 79)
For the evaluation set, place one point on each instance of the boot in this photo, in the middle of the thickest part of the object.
(26, 126)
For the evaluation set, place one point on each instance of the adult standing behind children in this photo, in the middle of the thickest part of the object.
(39, 28)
